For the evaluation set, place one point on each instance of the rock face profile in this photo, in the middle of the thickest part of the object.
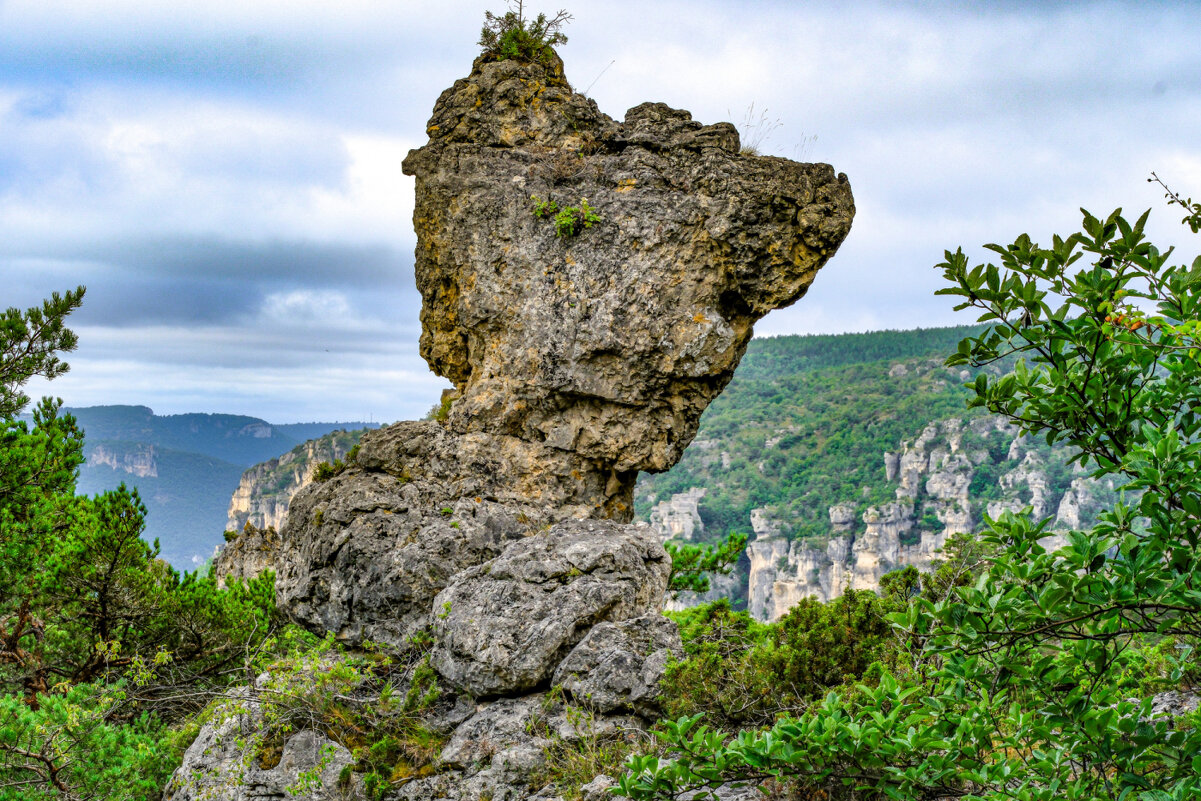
(580, 355)
(610, 343)
(262, 496)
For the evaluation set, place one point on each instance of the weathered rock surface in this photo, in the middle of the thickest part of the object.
(678, 517)
(364, 553)
(618, 666)
(218, 765)
(611, 343)
(249, 554)
(577, 362)
(264, 490)
(503, 627)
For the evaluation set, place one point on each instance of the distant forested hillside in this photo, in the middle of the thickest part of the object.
(803, 425)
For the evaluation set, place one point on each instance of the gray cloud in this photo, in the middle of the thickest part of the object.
(219, 259)
(200, 279)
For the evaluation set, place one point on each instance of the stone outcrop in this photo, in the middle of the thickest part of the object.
(265, 490)
(503, 627)
(252, 552)
(577, 360)
(678, 517)
(611, 343)
(933, 473)
(365, 552)
(618, 666)
(1076, 503)
(219, 764)
(502, 536)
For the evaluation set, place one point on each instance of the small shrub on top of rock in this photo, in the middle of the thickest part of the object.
(511, 35)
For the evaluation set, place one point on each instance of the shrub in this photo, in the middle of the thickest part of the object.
(512, 36)
(324, 471)
(739, 672)
(569, 220)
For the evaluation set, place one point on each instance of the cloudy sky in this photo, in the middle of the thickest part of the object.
(224, 177)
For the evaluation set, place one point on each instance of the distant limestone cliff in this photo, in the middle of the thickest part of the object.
(135, 458)
(945, 481)
(262, 496)
(581, 354)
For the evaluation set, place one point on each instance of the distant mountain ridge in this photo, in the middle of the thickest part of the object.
(185, 466)
(801, 428)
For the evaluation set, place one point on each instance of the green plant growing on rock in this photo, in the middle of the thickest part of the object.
(512, 36)
(440, 411)
(324, 471)
(370, 702)
(569, 220)
(572, 219)
(591, 747)
(756, 130)
(544, 208)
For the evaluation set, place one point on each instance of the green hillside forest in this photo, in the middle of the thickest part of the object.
(804, 423)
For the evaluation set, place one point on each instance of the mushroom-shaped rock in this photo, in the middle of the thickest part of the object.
(608, 340)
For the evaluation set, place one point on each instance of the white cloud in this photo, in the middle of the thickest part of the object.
(303, 306)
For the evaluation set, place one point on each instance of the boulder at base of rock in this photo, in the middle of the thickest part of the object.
(364, 553)
(503, 627)
(618, 666)
(219, 764)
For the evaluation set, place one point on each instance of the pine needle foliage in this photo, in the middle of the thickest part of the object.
(514, 36)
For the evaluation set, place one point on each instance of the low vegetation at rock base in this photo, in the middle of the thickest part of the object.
(105, 650)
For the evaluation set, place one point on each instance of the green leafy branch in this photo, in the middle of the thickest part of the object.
(569, 220)
(1019, 687)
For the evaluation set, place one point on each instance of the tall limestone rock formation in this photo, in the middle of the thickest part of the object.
(935, 474)
(578, 360)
